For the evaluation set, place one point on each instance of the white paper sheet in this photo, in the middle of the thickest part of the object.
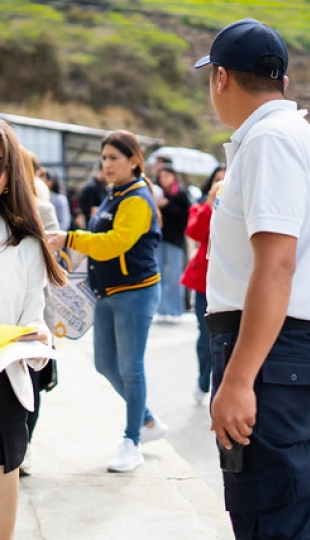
(16, 350)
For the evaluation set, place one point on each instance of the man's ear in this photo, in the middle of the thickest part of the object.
(286, 82)
(222, 79)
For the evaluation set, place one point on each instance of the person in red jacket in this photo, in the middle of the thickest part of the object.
(194, 275)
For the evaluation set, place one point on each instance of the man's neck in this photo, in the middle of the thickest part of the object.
(250, 104)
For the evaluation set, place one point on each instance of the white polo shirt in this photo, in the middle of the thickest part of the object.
(266, 188)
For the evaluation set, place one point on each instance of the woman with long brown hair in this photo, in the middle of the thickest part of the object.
(123, 273)
(25, 261)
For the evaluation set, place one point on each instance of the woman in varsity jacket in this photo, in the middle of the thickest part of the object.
(123, 274)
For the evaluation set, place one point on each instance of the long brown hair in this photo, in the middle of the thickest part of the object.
(17, 205)
(29, 169)
(128, 144)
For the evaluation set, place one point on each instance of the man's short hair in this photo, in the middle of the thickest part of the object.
(251, 82)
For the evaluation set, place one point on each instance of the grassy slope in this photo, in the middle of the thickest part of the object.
(291, 19)
(136, 56)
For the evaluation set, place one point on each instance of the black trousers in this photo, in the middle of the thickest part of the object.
(270, 499)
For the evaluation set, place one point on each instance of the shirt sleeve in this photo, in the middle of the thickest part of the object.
(33, 303)
(275, 198)
(47, 215)
(132, 220)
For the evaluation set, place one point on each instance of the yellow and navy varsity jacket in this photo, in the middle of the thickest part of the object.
(122, 241)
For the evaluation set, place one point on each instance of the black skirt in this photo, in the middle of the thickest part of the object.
(13, 427)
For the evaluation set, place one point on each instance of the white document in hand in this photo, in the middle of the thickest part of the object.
(17, 350)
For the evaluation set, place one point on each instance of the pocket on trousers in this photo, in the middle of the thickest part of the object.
(259, 495)
(283, 392)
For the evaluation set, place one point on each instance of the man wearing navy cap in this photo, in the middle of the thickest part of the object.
(259, 288)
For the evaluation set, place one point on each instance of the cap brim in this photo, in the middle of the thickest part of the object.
(204, 61)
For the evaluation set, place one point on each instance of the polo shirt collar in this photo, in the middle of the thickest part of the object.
(264, 110)
(259, 114)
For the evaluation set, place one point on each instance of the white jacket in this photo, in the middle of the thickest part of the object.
(22, 280)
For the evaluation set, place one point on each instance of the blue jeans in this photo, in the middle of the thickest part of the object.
(271, 498)
(121, 327)
(203, 343)
(171, 264)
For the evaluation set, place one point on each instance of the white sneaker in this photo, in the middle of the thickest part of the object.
(199, 395)
(159, 319)
(127, 457)
(26, 467)
(174, 319)
(157, 431)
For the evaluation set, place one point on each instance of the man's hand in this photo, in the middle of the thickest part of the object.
(233, 410)
(233, 413)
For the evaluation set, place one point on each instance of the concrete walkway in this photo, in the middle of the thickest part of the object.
(71, 496)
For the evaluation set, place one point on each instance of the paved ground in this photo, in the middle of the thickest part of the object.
(70, 496)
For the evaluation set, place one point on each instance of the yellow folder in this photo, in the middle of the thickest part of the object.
(9, 332)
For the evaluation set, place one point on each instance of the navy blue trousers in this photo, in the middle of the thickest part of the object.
(270, 499)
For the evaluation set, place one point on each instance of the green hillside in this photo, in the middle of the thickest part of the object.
(129, 64)
(291, 19)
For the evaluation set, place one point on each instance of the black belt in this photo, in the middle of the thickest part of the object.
(225, 322)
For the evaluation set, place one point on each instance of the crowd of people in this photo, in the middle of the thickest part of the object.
(129, 263)
(248, 273)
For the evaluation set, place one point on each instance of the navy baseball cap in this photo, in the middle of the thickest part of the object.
(242, 44)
